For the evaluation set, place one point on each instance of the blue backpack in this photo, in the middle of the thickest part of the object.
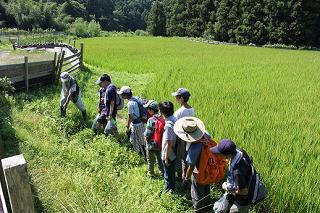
(142, 111)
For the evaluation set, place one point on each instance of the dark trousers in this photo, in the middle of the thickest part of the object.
(168, 174)
(200, 194)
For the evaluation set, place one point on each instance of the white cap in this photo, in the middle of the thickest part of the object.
(64, 76)
(124, 90)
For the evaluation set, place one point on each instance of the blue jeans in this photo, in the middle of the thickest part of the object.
(168, 174)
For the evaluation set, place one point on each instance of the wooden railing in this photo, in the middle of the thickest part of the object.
(24, 75)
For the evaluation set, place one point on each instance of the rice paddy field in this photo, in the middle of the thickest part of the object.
(266, 100)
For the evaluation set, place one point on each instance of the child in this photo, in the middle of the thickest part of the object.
(182, 97)
(168, 143)
(153, 137)
(134, 123)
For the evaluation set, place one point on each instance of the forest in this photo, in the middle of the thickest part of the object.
(294, 22)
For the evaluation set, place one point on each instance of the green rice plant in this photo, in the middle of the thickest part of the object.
(266, 100)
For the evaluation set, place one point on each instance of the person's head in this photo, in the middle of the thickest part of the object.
(152, 107)
(104, 80)
(182, 95)
(125, 92)
(189, 129)
(225, 147)
(65, 77)
(166, 108)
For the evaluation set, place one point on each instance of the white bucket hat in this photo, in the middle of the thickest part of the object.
(189, 129)
(64, 76)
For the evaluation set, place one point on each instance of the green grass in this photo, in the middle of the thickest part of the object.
(71, 169)
(266, 100)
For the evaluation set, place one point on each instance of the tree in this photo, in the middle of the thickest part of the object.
(157, 20)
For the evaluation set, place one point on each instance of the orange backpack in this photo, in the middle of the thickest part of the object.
(211, 167)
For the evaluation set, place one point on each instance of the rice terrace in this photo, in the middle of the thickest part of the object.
(253, 76)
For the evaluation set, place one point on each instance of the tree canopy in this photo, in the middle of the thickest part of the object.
(294, 22)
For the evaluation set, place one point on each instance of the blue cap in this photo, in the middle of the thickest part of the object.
(225, 147)
(182, 92)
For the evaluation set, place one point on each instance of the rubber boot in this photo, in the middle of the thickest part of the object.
(63, 112)
(84, 114)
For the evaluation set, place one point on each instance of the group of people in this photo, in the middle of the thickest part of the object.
(172, 140)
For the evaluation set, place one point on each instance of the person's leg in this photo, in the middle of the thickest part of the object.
(150, 160)
(199, 194)
(236, 208)
(184, 166)
(115, 130)
(159, 162)
(133, 138)
(79, 104)
(171, 175)
(63, 112)
(168, 174)
(140, 140)
(178, 168)
(95, 125)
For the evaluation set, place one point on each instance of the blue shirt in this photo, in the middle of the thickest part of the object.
(110, 95)
(133, 108)
(193, 154)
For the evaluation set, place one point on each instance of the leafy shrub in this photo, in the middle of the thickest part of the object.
(94, 29)
(5, 86)
(82, 28)
(79, 28)
(141, 33)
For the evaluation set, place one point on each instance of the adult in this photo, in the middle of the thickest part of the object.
(168, 144)
(101, 105)
(70, 92)
(107, 116)
(192, 130)
(153, 148)
(240, 181)
(134, 127)
(182, 97)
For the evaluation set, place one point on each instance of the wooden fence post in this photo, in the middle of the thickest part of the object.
(18, 185)
(3, 205)
(54, 71)
(26, 72)
(81, 56)
(60, 63)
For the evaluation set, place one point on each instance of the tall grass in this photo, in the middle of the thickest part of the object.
(73, 170)
(266, 100)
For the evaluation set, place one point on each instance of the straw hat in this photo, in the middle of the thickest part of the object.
(189, 129)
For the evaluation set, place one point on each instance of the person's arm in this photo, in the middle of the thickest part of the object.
(130, 118)
(168, 150)
(112, 107)
(189, 172)
(237, 191)
(65, 105)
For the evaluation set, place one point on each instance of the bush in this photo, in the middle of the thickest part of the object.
(82, 28)
(94, 29)
(141, 33)
(79, 28)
